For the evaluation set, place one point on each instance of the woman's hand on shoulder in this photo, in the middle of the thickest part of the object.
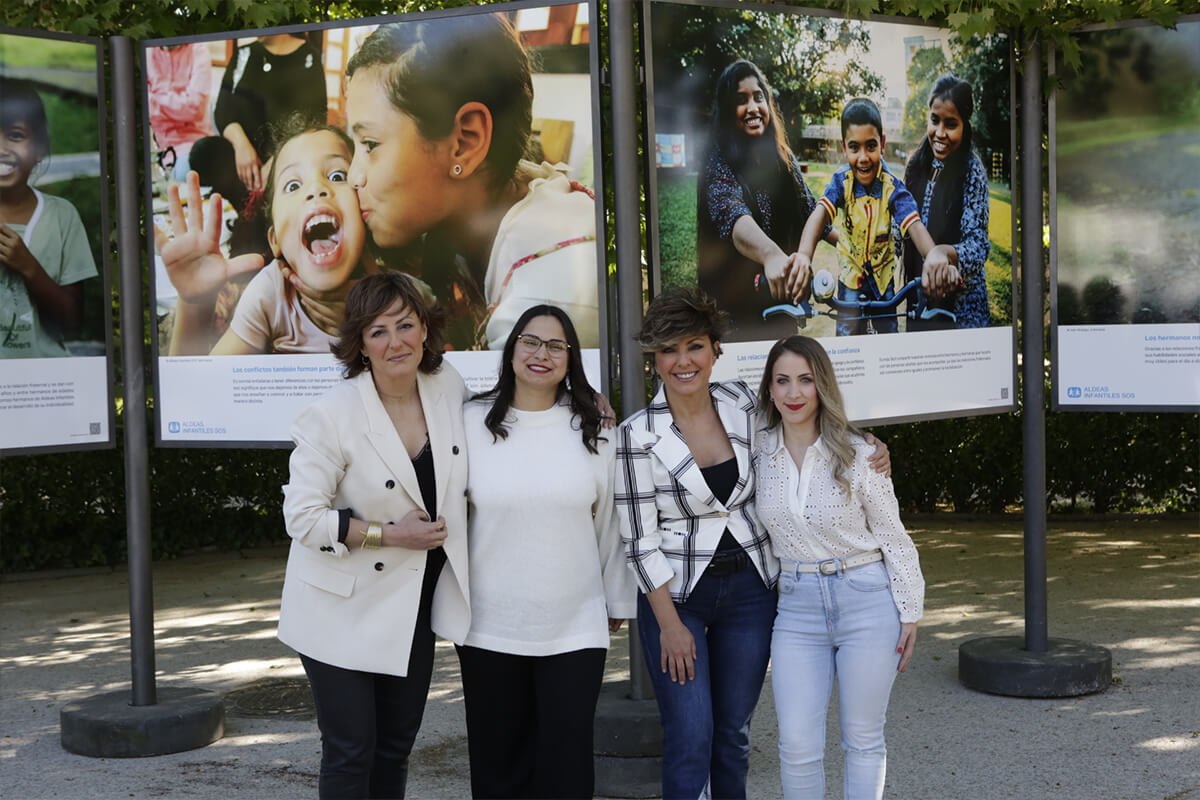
(608, 417)
(881, 459)
(415, 531)
(908, 640)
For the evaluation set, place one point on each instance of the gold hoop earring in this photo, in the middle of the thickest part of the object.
(366, 361)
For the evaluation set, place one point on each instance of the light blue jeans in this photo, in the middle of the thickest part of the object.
(833, 625)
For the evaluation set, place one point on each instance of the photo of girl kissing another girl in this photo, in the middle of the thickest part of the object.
(316, 232)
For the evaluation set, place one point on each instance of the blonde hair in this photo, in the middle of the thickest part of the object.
(834, 427)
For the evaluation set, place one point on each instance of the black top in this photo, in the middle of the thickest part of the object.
(423, 466)
(260, 89)
(722, 480)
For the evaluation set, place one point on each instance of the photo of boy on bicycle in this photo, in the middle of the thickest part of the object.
(864, 198)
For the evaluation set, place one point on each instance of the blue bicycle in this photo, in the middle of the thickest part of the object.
(824, 289)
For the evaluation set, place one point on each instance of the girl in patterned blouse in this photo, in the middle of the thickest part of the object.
(850, 585)
(752, 203)
(949, 182)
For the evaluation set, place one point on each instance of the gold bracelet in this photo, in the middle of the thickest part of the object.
(373, 538)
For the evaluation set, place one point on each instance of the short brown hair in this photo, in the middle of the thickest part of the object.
(680, 312)
(374, 295)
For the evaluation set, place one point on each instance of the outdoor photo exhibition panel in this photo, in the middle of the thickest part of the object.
(245, 310)
(718, 166)
(55, 309)
(1125, 249)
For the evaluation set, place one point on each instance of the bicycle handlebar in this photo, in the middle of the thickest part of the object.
(861, 308)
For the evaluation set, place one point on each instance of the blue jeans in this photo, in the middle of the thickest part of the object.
(845, 625)
(706, 721)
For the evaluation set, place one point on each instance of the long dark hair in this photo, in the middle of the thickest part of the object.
(945, 211)
(581, 397)
(762, 163)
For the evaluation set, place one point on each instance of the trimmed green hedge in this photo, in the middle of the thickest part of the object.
(68, 510)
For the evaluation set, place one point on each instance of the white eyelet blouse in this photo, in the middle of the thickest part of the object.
(809, 516)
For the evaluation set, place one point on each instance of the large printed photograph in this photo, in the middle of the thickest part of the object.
(458, 149)
(54, 301)
(835, 178)
(1127, 271)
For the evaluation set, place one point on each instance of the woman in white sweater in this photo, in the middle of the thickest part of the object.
(850, 586)
(550, 580)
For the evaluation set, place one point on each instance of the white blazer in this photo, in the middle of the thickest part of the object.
(357, 609)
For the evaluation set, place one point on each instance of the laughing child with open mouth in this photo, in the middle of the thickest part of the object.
(317, 235)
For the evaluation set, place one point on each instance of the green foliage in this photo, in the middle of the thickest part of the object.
(813, 63)
(927, 65)
(983, 61)
(84, 194)
(1099, 462)
(21, 51)
(677, 228)
(68, 509)
(143, 19)
(72, 123)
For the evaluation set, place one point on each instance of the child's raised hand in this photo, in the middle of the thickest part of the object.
(191, 249)
(939, 277)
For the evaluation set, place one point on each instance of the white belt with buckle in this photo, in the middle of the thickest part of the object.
(838, 566)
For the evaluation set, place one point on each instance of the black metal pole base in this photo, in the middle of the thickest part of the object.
(107, 726)
(627, 743)
(1002, 665)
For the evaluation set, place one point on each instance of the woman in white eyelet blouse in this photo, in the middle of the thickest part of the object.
(850, 587)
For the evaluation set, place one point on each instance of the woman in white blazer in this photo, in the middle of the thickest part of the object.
(375, 505)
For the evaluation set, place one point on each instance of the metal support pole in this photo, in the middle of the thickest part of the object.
(137, 465)
(628, 235)
(1035, 666)
(143, 721)
(1033, 379)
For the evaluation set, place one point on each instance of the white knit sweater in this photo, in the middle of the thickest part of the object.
(547, 563)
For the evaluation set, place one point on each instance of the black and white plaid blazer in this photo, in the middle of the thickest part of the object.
(669, 517)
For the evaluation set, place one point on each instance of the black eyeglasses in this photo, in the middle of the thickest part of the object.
(531, 343)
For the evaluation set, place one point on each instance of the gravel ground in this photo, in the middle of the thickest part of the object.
(1131, 585)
